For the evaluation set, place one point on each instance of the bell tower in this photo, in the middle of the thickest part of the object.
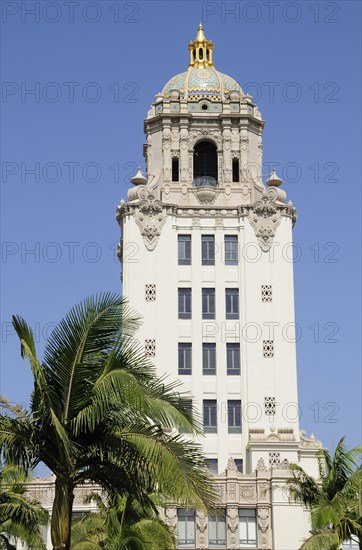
(206, 253)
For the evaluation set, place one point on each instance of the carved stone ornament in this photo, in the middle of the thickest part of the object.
(231, 466)
(265, 216)
(263, 523)
(170, 517)
(149, 213)
(233, 524)
(285, 464)
(310, 441)
(201, 522)
(232, 491)
(261, 465)
(248, 493)
(150, 218)
(263, 491)
(233, 519)
(201, 526)
(205, 195)
(263, 518)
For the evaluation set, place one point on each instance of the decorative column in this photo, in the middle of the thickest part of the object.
(166, 149)
(232, 524)
(260, 156)
(184, 153)
(201, 530)
(244, 154)
(264, 533)
(226, 146)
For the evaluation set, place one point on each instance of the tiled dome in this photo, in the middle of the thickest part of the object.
(204, 82)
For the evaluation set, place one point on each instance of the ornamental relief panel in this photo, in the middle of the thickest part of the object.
(149, 214)
(244, 140)
(45, 495)
(265, 217)
(263, 491)
(231, 491)
(247, 493)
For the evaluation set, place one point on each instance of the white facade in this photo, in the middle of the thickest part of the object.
(203, 154)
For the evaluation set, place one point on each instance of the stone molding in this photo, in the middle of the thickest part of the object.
(310, 442)
(150, 214)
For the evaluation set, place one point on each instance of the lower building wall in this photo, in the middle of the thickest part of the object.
(254, 506)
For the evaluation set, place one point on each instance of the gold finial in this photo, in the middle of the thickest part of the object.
(201, 50)
(200, 34)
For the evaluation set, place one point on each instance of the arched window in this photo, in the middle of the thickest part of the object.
(201, 54)
(205, 160)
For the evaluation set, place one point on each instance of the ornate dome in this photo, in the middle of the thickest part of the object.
(201, 80)
(197, 83)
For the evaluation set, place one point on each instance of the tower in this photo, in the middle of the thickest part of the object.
(206, 253)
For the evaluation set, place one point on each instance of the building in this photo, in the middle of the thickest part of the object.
(206, 252)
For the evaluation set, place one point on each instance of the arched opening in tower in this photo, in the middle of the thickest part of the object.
(205, 160)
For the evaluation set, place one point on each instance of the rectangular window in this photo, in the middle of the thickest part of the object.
(184, 358)
(232, 303)
(210, 413)
(188, 407)
(234, 416)
(184, 249)
(239, 464)
(236, 170)
(208, 249)
(217, 529)
(233, 359)
(175, 169)
(247, 527)
(212, 465)
(185, 528)
(231, 249)
(208, 303)
(209, 358)
(184, 303)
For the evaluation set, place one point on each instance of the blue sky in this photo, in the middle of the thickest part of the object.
(95, 68)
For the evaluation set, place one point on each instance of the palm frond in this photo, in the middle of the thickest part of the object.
(75, 349)
(339, 467)
(28, 351)
(322, 541)
(302, 487)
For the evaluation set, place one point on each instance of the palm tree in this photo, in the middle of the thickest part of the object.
(98, 413)
(122, 523)
(20, 517)
(334, 499)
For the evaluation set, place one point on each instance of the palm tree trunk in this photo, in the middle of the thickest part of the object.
(62, 513)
